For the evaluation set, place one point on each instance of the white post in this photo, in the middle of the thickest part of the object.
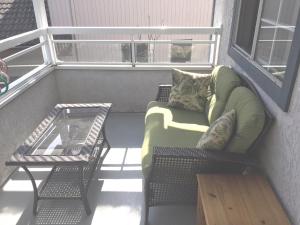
(48, 50)
(133, 56)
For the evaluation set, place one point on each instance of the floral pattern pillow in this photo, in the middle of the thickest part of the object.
(190, 90)
(219, 132)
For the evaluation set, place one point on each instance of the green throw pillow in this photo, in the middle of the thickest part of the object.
(219, 132)
(190, 90)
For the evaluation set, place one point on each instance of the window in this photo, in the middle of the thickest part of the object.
(262, 43)
(246, 24)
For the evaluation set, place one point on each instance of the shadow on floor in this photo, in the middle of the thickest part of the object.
(115, 194)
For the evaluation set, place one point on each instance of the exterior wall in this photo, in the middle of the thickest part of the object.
(130, 12)
(137, 13)
(279, 154)
(128, 90)
(19, 117)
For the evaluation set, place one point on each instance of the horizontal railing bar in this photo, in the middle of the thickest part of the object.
(22, 66)
(137, 41)
(138, 67)
(134, 30)
(176, 41)
(170, 63)
(23, 52)
(20, 39)
(93, 63)
(129, 63)
(93, 41)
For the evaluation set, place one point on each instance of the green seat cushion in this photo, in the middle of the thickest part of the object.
(170, 127)
(223, 81)
(250, 119)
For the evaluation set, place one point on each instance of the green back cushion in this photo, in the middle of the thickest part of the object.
(224, 80)
(250, 119)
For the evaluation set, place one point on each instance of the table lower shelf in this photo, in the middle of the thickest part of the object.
(63, 182)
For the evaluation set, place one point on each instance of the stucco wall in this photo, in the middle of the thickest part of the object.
(129, 91)
(280, 152)
(19, 117)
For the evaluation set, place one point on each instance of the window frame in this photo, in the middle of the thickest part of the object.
(280, 92)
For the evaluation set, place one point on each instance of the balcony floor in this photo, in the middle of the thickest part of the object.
(115, 194)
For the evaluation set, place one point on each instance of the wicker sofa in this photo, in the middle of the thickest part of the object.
(169, 157)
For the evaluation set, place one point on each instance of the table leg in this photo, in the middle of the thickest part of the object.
(35, 190)
(105, 138)
(83, 192)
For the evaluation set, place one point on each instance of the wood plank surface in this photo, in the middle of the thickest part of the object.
(238, 200)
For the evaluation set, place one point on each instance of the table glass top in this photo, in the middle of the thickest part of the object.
(72, 131)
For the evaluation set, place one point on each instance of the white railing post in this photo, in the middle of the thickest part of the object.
(42, 24)
(133, 56)
(213, 49)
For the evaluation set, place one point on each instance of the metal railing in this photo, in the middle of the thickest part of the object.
(134, 34)
(48, 47)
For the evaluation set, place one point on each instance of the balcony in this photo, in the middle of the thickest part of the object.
(72, 61)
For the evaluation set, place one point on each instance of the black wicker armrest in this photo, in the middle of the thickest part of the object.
(163, 93)
(212, 156)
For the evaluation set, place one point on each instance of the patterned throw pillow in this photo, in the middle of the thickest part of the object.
(219, 132)
(190, 90)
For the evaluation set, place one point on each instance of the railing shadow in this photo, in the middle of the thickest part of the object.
(62, 212)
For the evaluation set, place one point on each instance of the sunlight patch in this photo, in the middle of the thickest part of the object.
(122, 185)
(19, 185)
(116, 215)
(10, 215)
(133, 156)
(115, 156)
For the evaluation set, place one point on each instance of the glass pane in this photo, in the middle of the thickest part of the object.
(67, 134)
(275, 35)
(131, 12)
(289, 12)
(16, 17)
(263, 52)
(92, 52)
(270, 10)
(174, 53)
(21, 65)
(246, 25)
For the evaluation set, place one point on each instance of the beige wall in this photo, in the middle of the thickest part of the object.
(130, 12)
(279, 154)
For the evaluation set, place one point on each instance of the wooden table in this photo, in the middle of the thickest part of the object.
(237, 200)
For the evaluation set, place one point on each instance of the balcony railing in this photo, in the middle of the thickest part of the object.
(109, 47)
(89, 47)
(135, 46)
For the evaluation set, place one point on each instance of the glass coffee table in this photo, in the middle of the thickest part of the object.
(70, 139)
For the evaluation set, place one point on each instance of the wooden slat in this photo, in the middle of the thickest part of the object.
(200, 212)
(238, 200)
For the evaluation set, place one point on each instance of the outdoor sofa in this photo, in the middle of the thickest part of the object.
(170, 160)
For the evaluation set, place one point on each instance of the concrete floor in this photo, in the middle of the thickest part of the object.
(115, 194)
